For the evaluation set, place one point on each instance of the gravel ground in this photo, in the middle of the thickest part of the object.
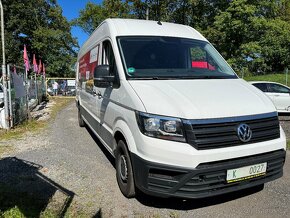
(73, 162)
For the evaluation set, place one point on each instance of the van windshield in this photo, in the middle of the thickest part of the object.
(158, 57)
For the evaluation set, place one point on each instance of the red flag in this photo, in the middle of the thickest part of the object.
(43, 70)
(26, 60)
(39, 67)
(35, 67)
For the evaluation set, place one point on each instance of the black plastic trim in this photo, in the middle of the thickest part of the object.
(206, 180)
(231, 119)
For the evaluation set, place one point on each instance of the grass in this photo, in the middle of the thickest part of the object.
(32, 126)
(16, 212)
(61, 102)
(16, 204)
(288, 144)
(279, 78)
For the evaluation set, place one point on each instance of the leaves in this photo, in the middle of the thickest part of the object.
(253, 35)
(40, 25)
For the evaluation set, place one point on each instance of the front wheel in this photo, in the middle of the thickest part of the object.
(124, 170)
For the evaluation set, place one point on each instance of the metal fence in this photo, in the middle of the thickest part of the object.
(18, 105)
(23, 94)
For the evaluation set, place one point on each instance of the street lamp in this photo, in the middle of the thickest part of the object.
(6, 126)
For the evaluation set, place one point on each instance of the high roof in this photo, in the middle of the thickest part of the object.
(127, 27)
(114, 27)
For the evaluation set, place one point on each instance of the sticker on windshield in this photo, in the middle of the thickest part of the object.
(131, 71)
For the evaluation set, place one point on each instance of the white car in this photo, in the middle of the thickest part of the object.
(278, 93)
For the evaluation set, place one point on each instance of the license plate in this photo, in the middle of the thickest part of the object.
(248, 172)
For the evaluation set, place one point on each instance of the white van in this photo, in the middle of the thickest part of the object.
(176, 117)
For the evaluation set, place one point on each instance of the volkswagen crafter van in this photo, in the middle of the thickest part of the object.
(176, 117)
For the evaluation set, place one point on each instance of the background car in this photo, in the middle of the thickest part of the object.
(279, 94)
(50, 91)
(71, 91)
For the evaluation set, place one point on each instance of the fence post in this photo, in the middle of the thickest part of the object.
(27, 95)
(10, 97)
(286, 71)
(36, 88)
(5, 93)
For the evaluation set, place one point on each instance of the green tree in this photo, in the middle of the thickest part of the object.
(251, 35)
(93, 14)
(40, 25)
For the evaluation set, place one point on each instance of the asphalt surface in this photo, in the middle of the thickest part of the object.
(75, 160)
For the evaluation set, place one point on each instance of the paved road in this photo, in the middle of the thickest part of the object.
(75, 160)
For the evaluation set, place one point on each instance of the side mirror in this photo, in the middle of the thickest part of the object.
(102, 77)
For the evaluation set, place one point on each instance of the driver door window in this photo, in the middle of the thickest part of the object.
(278, 88)
(108, 58)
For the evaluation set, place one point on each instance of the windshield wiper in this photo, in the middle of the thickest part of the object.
(144, 78)
(205, 77)
(182, 77)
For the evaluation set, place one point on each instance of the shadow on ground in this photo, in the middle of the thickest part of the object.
(101, 146)
(23, 186)
(190, 204)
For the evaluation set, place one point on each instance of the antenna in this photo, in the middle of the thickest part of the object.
(158, 12)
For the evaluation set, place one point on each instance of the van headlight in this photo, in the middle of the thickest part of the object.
(162, 127)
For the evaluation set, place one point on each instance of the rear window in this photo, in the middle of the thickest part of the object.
(261, 86)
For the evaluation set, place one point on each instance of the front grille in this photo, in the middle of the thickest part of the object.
(217, 134)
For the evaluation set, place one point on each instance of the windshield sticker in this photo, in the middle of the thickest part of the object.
(131, 71)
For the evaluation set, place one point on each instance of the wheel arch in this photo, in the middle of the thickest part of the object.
(122, 131)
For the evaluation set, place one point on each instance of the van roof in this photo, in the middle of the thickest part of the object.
(125, 27)
(114, 27)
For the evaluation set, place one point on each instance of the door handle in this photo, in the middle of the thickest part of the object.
(97, 93)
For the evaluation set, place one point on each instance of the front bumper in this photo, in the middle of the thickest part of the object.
(207, 179)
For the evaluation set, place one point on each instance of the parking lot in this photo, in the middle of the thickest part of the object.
(77, 165)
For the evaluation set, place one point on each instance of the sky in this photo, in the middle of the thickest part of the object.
(71, 10)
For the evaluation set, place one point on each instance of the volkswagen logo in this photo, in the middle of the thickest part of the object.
(244, 132)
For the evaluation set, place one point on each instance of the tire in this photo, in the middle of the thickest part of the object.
(80, 119)
(124, 170)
